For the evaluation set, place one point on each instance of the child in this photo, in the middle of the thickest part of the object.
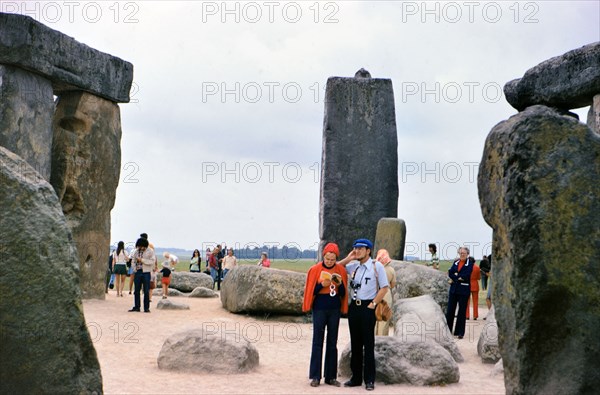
(166, 278)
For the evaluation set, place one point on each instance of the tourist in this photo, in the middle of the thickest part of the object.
(109, 272)
(488, 298)
(143, 260)
(474, 298)
(435, 261)
(485, 267)
(214, 268)
(229, 262)
(220, 256)
(207, 257)
(460, 288)
(325, 294)
(382, 328)
(120, 258)
(166, 279)
(195, 262)
(172, 259)
(264, 260)
(361, 313)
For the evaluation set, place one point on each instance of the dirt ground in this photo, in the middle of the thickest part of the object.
(128, 345)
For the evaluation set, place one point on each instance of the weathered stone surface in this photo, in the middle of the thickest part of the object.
(567, 81)
(171, 292)
(168, 304)
(498, 369)
(397, 362)
(187, 282)
(46, 347)
(487, 346)
(253, 289)
(359, 182)
(26, 117)
(538, 189)
(391, 235)
(202, 292)
(196, 351)
(67, 63)
(593, 118)
(415, 280)
(420, 319)
(86, 163)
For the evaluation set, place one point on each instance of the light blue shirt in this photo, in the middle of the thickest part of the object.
(364, 274)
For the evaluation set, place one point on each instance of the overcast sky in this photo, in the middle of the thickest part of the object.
(222, 139)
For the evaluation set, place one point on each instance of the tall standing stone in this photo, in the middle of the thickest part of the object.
(539, 187)
(86, 162)
(26, 111)
(593, 118)
(359, 175)
(391, 236)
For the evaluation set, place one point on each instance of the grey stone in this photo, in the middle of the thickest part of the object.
(202, 352)
(567, 81)
(391, 235)
(171, 292)
(593, 117)
(26, 117)
(487, 345)
(498, 369)
(86, 163)
(420, 319)
(46, 347)
(359, 182)
(168, 304)
(201, 292)
(538, 190)
(253, 289)
(415, 363)
(415, 280)
(187, 282)
(67, 63)
(362, 73)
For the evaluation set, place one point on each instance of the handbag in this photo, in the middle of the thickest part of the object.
(383, 311)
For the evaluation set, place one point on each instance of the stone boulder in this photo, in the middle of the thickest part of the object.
(498, 369)
(416, 280)
(538, 190)
(419, 319)
(397, 362)
(391, 235)
(171, 292)
(567, 81)
(26, 117)
(187, 282)
(201, 292)
(168, 304)
(198, 351)
(487, 346)
(46, 346)
(86, 163)
(593, 117)
(67, 63)
(253, 289)
(353, 196)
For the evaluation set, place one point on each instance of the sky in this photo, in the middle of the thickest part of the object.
(222, 138)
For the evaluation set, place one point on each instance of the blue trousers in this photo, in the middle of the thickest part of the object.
(140, 280)
(322, 319)
(361, 321)
(461, 319)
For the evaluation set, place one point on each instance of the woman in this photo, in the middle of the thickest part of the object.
(459, 277)
(120, 258)
(382, 328)
(195, 262)
(264, 260)
(229, 262)
(435, 261)
(325, 293)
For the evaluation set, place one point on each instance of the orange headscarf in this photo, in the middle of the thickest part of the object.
(314, 275)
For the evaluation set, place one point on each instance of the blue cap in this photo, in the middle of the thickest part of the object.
(363, 243)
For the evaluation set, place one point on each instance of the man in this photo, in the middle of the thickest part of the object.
(143, 259)
(460, 288)
(368, 285)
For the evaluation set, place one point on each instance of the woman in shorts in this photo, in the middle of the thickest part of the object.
(120, 258)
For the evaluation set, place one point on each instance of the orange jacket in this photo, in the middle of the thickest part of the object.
(475, 275)
(312, 278)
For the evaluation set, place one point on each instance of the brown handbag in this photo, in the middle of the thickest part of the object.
(383, 311)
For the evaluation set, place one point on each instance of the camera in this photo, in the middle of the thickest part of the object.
(355, 285)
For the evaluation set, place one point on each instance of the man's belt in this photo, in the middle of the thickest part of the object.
(359, 302)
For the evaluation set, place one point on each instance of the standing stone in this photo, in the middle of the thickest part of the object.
(359, 175)
(26, 111)
(567, 81)
(86, 161)
(593, 118)
(46, 347)
(391, 235)
(538, 188)
(487, 345)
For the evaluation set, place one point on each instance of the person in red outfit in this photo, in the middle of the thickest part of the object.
(475, 277)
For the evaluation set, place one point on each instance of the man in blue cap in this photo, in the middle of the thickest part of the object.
(368, 285)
